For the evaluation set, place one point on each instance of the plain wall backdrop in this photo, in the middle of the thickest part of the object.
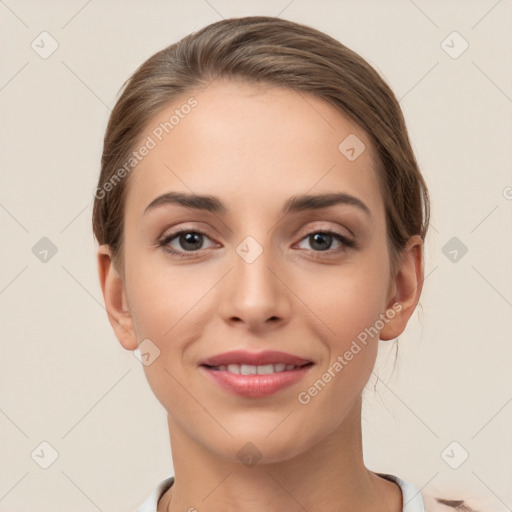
(442, 420)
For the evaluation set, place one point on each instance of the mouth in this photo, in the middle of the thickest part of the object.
(249, 369)
(246, 358)
(255, 375)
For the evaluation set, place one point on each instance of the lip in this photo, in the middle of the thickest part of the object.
(255, 386)
(254, 358)
(259, 385)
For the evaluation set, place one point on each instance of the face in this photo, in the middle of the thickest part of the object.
(257, 270)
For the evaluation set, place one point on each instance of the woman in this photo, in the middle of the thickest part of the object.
(261, 220)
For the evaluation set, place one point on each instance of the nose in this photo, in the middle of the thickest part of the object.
(255, 293)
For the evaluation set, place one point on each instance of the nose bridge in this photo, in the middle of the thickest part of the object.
(255, 293)
(252, 262)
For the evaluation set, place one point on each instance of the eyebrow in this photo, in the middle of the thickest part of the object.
(294, 204)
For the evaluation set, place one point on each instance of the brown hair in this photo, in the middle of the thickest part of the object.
(276, 52)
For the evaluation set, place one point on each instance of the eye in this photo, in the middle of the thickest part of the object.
(189, 241)
(321, 241)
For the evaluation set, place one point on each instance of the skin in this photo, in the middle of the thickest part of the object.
(253, 147)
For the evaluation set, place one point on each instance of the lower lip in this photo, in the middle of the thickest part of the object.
(256, 386)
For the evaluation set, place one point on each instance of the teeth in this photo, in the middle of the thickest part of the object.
(249, 369)
(265, 369)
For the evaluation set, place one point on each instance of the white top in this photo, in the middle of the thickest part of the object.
(411, 495)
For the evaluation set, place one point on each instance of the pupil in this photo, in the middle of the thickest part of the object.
(190, 238)
(319, 237)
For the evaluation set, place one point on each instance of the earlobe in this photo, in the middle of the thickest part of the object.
(116, 304)
(406, 289)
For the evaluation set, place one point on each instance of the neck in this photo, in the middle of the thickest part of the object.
(329, 476)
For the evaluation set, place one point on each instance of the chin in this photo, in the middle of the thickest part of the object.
(251, 446)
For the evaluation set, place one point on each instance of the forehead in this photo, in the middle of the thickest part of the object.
(248, 143)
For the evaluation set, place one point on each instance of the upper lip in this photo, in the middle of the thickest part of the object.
(254, 358)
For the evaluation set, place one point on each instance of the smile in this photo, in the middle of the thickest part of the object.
(248, 369)
(255, 381)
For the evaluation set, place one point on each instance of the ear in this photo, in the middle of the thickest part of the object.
(405, 290)
(113, 288)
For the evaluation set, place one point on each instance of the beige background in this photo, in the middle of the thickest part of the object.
(64, 378)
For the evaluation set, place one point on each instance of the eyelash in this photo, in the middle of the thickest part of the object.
(348, 243)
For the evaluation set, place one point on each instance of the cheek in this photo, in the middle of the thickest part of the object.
(162, 297)
(171, 307)
(345, 301)
(349, 307)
